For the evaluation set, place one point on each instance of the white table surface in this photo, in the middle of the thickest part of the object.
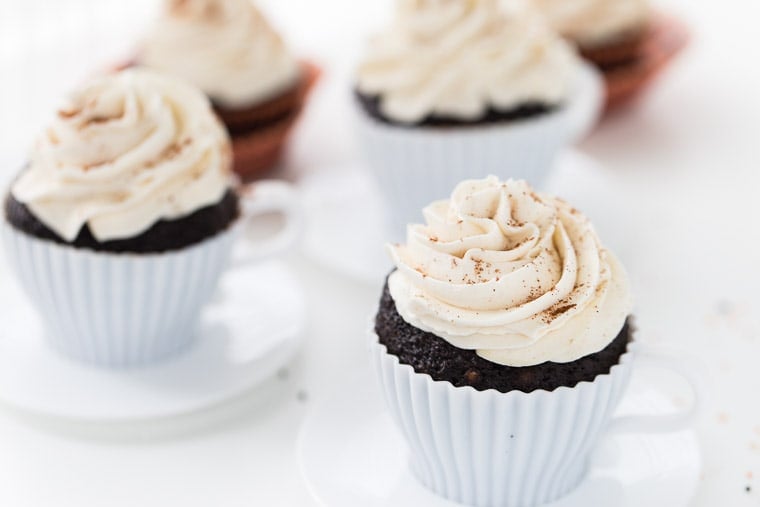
(683, 172)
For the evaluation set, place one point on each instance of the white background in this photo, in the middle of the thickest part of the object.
(681, 170)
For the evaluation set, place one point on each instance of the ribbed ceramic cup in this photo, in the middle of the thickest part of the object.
(515, 449)
(418, 165)
(125, 309)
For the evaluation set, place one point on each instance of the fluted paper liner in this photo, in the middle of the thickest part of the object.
(667, 37)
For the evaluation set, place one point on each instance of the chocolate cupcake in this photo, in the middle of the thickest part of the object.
(502, 343)
(625, 39)
(163, 236)
(460, 89)
(121, 223)
(517, 278)
(132, 163)
(229, 50)
(430, 354)
(463, 63)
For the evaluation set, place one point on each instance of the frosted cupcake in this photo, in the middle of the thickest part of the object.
(122, 222)
(456, 89)
(625, 39)
(502, 343)
(230, 51)
(133, 162)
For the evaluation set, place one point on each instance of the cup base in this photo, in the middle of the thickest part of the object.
(574, 476)
(351, 453)
(252, 328)
(182, 341)
(116, 309)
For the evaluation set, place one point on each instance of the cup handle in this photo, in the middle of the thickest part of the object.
(690, 370)
(269, 196)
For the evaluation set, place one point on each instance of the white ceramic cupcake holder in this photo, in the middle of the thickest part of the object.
(415, 166)
(122, 309)
(486, 448)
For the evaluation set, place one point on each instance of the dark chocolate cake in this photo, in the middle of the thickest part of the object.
(371, 105)
(284, 106)
(429, 354)
(164, 235)
(624, 51)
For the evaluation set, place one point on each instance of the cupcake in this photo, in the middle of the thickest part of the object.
(625, 39)
(229, 50)
(502, 343)
(457, 89)
(122, 222)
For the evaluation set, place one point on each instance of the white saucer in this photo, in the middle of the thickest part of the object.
(350, 454)
(250, 330)
(348, 227)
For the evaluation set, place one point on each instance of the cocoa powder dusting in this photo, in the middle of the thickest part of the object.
(556, 311)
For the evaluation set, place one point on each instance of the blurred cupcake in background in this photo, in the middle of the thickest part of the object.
(228, 49)
(626, 39)
(456, 89)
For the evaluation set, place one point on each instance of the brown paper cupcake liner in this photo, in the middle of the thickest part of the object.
(666, 37)
(258, 150)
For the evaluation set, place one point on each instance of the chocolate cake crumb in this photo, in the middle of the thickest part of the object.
(472, 377)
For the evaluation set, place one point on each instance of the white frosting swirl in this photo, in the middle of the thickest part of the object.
(519, 277)
(126, 150)
(593, 22)
(224, 47)
(457, 58)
